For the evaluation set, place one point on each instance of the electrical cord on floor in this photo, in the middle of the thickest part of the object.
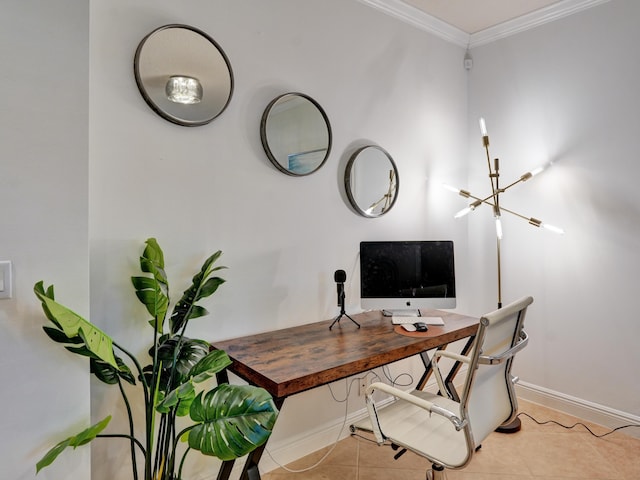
(393, 381)
(578, 424)
(344, 423)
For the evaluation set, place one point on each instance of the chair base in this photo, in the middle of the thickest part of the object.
(511, 427)
(436, 473)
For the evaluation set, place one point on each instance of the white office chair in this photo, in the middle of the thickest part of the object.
(445, 431)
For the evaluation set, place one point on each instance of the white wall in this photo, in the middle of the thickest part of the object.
(567, 91)
(207, 188)
(44, 55)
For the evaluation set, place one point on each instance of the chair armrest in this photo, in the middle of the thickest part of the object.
(496, 359)
(436, 369)
(454, 356)
(419, 402)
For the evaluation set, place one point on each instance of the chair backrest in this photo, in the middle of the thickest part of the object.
(488, 398)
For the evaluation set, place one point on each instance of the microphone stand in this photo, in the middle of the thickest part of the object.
(343, 313)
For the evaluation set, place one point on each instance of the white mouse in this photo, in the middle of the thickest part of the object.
(409, 327)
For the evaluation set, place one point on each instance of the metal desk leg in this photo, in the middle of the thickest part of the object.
(426, 360)
(225, 470)
(448, 383)
(428, 370)
(227, 465)
(452, 373)
(250, 470)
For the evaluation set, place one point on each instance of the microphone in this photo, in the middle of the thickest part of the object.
(340, 277)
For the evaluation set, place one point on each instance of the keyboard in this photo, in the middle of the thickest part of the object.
(404, 319)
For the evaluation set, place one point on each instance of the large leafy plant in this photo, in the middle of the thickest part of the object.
(229, 421)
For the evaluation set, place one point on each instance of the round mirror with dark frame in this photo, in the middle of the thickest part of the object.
(183, 75)
(371, 181)
(296, 134)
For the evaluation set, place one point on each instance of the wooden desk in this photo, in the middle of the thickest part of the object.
(292, 360)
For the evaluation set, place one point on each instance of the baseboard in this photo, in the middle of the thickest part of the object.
(291, 449)
(286, 451)
(589, 411)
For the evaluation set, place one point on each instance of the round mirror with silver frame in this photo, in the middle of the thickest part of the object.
(371, 181)
(296, 134)
(183, 75)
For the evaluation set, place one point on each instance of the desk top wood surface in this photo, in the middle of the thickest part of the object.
(291, 360)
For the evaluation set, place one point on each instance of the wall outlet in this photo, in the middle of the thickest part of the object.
(364, 383)
(5, 279)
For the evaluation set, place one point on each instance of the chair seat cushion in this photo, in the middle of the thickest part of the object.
(418, 430)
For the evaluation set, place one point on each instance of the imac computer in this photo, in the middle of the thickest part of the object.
(402, 277)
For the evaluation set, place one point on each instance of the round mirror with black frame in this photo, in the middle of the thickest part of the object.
(371, 181)
(183, 75)
(296, 134)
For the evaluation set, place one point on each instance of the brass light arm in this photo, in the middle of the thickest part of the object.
(386, 198)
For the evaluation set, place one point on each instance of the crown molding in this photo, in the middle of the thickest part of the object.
(420, 19)
(532, 20)
(428, 23)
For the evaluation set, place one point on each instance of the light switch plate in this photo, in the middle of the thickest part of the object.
(5, 279)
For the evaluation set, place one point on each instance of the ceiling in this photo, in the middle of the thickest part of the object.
(473, 16)
(475, 22)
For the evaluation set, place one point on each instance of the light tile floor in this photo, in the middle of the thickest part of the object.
(535, 452)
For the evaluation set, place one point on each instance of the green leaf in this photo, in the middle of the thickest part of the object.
(82, 350)
(153, 292)
(233, 420)
(109, 375)
(152, 260)
(184, 391)
(209, 287)
(198, 311)
(59, 336)
(184, 407)
(207, 367)
(201, 287)
(156, 302)
(38, 288)
(73, 325)
(81, 438)
(190, 353)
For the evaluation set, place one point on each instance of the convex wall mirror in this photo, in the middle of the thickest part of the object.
(371, 181)
(183, 75)
(295, 134)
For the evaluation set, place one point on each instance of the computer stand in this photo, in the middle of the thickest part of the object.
(343, 313)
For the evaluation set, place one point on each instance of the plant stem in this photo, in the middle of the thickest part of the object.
(155, 380)
(160, 455)
(121, 435)
(184, 457)
(171, 438)
(148, 400)
(143, 380)
(134, 464)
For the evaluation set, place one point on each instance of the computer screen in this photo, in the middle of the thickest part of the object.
(407, 275)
